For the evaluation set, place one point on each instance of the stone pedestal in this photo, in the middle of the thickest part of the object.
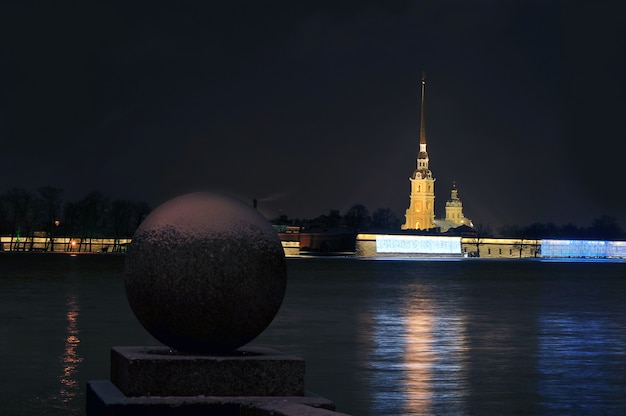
(252, 381)
(250, 371)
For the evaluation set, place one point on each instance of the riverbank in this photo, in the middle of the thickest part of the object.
(363, 245)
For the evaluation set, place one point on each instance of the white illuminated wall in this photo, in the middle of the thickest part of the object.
(417, 244)
(582, 248)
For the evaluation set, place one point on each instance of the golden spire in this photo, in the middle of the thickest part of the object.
(422, 118)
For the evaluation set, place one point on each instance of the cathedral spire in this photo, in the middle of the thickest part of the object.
(422, 118)
(422, 156)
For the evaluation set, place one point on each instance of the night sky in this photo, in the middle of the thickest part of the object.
(309, 106)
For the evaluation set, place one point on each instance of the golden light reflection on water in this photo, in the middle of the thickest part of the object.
(70, 358)
(421, 346)
(435, 357)
(419, 357)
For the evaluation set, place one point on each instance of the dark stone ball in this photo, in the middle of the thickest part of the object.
(205, 273)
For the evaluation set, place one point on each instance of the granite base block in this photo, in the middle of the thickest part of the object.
(250, 371)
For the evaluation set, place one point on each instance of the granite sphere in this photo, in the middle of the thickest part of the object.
(205, 273)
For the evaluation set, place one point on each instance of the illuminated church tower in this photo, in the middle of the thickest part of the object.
(420, 215)
(454, 209)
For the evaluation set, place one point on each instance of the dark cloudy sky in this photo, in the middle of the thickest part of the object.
(314, 105)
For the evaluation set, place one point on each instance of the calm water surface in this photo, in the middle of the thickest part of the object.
(380, 337)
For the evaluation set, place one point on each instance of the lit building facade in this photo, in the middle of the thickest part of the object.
(420, 215)
(454, 213)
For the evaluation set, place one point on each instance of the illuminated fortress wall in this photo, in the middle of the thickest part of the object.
(417, 244)
(507, 248)
(372, 245)
(583, 248)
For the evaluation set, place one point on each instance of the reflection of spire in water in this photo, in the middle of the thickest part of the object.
(435, 353)
(418, 355)
(70, 359)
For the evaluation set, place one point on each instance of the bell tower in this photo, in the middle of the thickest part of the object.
(420, 215)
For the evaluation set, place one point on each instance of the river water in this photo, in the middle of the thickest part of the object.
(380, 337)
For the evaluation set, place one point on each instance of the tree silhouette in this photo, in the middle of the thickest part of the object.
(91, 211)
(71, 218)
(605, 228)
(18, 203)
(125, 216)
(482, 232)
(602, 228)
(140, 211)
(357, 217)
(385, 218)
(121, 213)
(51, 205)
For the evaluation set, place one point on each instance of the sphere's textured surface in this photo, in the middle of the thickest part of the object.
(205, 273)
